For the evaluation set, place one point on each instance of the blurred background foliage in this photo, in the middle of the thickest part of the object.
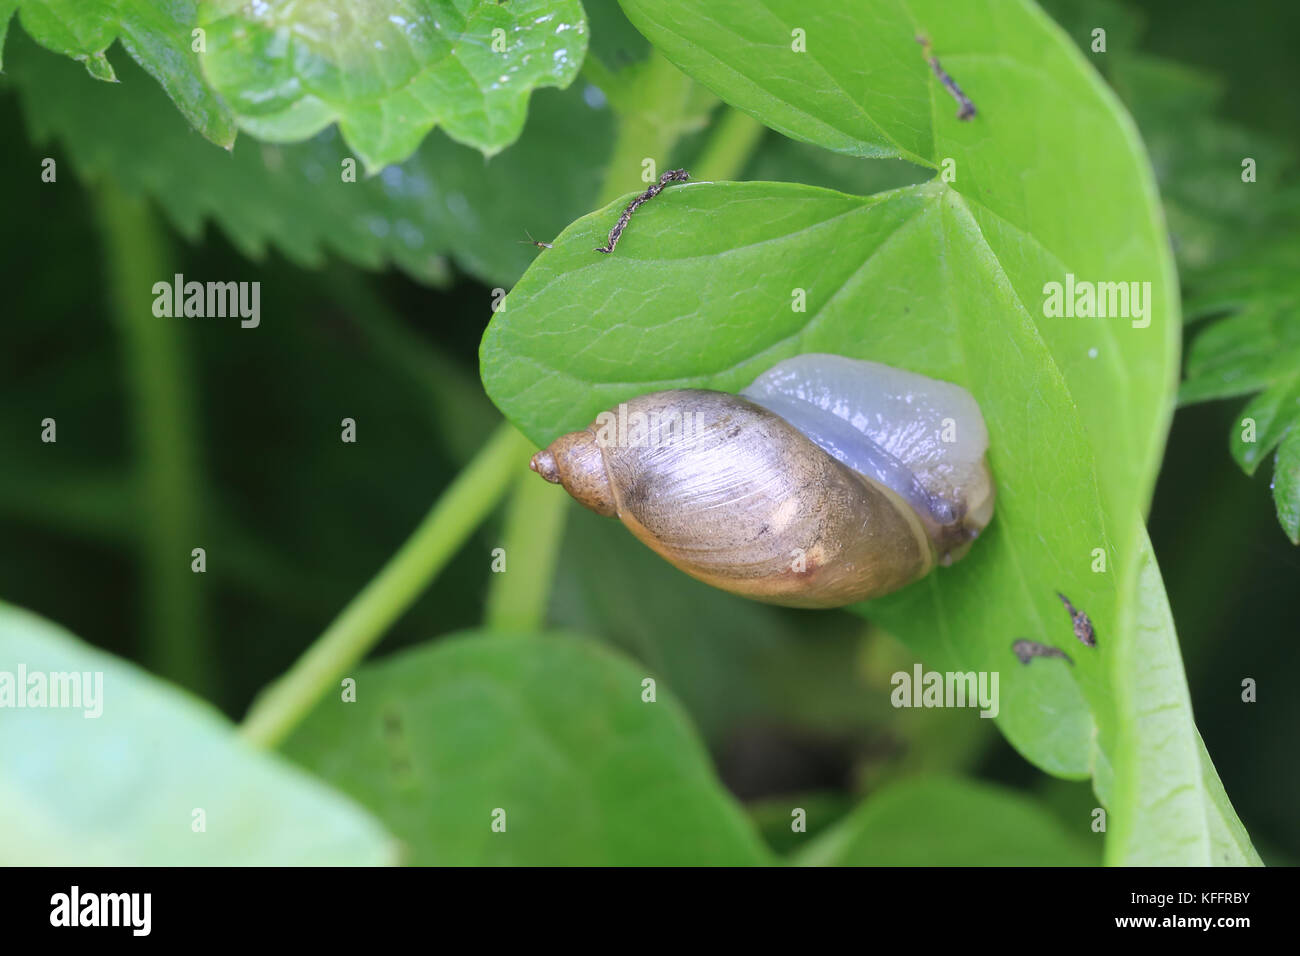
(374, 298)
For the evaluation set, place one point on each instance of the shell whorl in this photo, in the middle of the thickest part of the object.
(574, 461)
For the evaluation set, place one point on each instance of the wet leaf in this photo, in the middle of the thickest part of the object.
(388, 73)
(158, 34)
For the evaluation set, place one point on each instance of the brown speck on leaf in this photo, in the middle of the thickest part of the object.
(1082, 625)
(672, 176)
(965, 108)
(1026, 650)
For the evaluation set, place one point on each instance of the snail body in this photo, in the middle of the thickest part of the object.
(827, 481)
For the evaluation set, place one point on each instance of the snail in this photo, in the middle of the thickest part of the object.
(827, 481)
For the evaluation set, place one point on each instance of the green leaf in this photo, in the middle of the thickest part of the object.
(7, 8)
(158, 34)
(642, 320)
(121, 788)
(552, 731)
(1168, 806)
(1274, 413)
(564, 349)
(829, 95)
(388, 73)
(1286, 484)
(1238, 355)
(945, 278)
(446, 201)
(951, 822)
(1256, 348)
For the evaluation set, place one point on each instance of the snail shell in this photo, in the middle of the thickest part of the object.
(828, 481)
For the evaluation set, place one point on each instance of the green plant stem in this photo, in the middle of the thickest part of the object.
(653, 100)
(175, 639)
(730, 144)
(518, 597)
(452, 519)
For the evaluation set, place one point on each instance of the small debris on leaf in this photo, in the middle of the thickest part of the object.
(1082, 625)
(966, 109)
(1026, 650)
(672, 176)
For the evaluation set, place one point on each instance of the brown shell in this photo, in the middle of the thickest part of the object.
(743, 501)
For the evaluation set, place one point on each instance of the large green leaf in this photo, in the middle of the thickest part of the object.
(1168, 806)
(917, 278)
(938, 821)
(121, 788)
(551, 730)
(389, 72)
(159, 35)
(945, 278)
(576, 332)
(444, 202)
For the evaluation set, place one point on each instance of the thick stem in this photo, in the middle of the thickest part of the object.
(653, 100)
(729, 145)
(175, 639)
(520, 594)
(452, 519)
